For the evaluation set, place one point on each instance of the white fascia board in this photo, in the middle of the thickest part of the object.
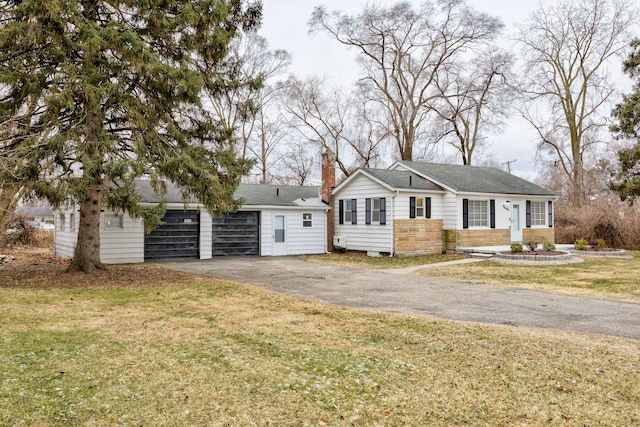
(345, 181)
(508, 196)
(283, 208)
(413, 190)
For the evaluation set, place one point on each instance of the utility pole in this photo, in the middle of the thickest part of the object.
(508, 163)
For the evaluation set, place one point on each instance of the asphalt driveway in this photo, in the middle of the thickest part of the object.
(423, 296)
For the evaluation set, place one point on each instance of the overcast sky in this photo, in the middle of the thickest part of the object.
(285, 27)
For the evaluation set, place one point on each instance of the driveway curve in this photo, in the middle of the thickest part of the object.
(423, 296)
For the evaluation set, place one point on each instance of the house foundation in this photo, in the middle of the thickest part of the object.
(417, 237)
(483, 237)
(540, 235)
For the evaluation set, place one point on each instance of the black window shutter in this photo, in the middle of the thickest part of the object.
(465, 213)
(528, 213)
(354, 212)
(550, 214)
(427, 207)
(367, 211)
(341, 211)
(412, 207)
(492, 213)
(383, 211)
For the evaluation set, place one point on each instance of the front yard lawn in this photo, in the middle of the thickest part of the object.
(361, 260)
(612, 278)
(140, 345)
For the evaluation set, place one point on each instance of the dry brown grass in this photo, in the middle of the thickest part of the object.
(610, 278)
(140, 345)
(357, 259)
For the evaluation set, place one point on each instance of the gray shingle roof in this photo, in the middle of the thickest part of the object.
(253, 194)
(402, 180)
(279, 195)
(474, 179)
(173, 195)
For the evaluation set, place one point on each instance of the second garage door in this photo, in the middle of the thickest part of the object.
(177, 238)
(236, 234)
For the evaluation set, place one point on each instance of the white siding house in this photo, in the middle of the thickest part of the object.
(190, 232)
(117, 245)
(402, 196)
(434, 207)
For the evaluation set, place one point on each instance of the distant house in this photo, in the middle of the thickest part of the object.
(273, 220)
(416, 208)
(40, 216)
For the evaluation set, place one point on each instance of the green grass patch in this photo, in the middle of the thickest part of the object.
(209, 353)
(615, 278)
(361, 260)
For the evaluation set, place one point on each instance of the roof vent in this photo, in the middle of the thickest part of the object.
(277, 191)
(410, 180)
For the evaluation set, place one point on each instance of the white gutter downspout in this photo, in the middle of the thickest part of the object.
(393, 204)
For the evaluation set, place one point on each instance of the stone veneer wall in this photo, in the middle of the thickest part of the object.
(484, 237)
(417, 236)
(540, 235)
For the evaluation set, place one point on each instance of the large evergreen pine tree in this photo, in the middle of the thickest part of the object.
(627, 182)
(96, 93)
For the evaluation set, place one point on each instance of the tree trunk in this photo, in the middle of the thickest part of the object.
(87, 254)
(9, 196)
(578, 184)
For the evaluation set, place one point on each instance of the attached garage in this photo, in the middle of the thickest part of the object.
(273, 220)
(236, 234)
(177, 238)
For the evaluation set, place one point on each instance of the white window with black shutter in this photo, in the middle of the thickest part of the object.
(375, 210)
(478, 213)
(347, 211)
(419, 207)
(550, 206)
(537, 214)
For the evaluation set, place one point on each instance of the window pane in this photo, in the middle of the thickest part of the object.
(419, 207)
(113, 221)
(306, 220)
(279, 229)
(538, 213)
(347, 211)
(478, 213)
(375, 213)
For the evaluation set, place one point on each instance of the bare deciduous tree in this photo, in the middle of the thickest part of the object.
(269, 133)
(329, 119)
(253, 64)
(403, 51)
(475, 100)
(567, 47)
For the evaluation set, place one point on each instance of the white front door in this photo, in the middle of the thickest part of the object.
(279, 235)
(516, 226)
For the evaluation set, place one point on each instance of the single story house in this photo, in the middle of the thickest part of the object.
(273, 220)
(416, 208)
(39, 216)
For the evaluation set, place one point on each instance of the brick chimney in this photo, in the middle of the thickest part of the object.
(328, 182)
(328, 174)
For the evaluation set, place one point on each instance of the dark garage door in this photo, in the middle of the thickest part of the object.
(236, 234)
(177, 238)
